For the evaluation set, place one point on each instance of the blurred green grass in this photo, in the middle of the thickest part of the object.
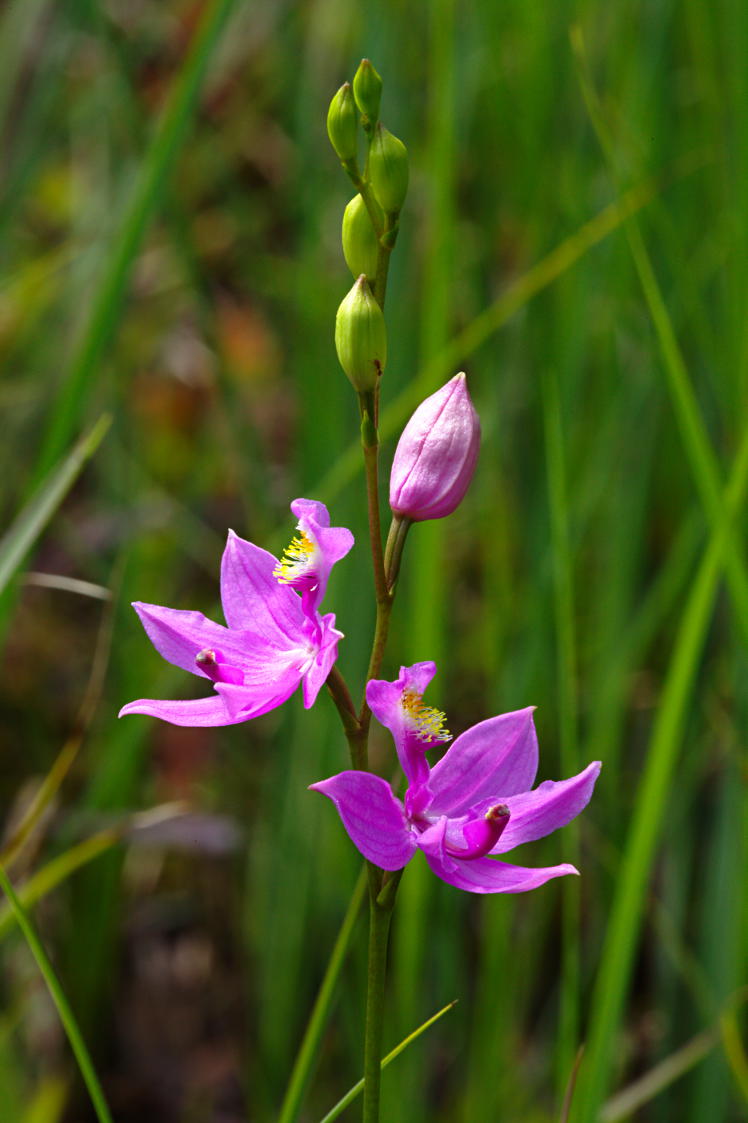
(170, 253)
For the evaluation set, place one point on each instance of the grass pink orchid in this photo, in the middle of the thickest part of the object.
(275, 639)
(474, 805)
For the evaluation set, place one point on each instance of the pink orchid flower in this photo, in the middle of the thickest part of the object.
(275, 639)
(475, 804)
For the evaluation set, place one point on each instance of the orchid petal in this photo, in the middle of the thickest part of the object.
(373, 817)
(245, 702)
(492, 760)
(179, 635)
(197, 711)
(252, 598)
(486, 875)
(552, 805)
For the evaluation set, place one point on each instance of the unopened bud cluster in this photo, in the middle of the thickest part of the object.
(369, 222)
(437, 452)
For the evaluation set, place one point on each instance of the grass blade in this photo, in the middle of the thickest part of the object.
(630, 1099)
(358, 1088)
(24, 531)
(566, 673)
(307, 1053)
(699, 451)
(58, 870)
(57, 994)
(624, 1103)
(147, 194)
(631, 883)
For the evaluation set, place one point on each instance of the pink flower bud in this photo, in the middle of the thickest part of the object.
(436, 454)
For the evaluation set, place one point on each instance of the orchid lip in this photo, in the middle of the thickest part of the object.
(207, 661)
(481, 835)
(211, 662)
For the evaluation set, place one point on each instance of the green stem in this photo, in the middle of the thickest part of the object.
(379, 927)
(384, 597)
(371, 456)
(381, 631)
(387, 238)
(67, 1017)
(358, 745)
(393, 551)
(352, 169)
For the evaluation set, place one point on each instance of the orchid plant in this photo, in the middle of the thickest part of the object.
(477, 801)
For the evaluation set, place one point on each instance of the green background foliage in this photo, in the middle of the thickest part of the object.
(575, 238)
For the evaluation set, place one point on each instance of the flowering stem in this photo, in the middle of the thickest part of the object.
(369, 403)
(387, 238)
(379, 927)
(375, 527)
(370, 444)
(341, 696)
(383, 595)
(381, 631)
(356, 733)
(358, 745)
(382, 886)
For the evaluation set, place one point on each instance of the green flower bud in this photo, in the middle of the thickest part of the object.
(361, 337)
(367, 90)
(388, 170)
(360, 244)
(342, 125)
